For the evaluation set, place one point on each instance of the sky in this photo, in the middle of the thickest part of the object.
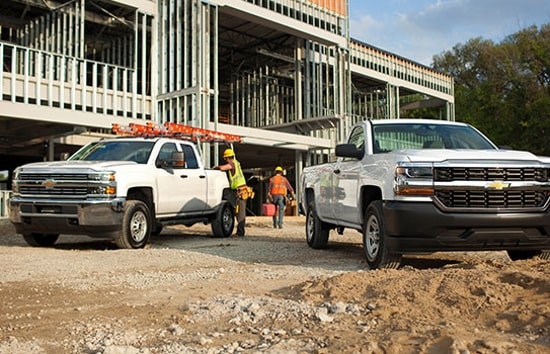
(419, 29)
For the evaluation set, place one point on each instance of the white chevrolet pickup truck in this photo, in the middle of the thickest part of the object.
(121, 188)
(421, 186)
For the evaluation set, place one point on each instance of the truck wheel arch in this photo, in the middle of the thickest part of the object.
(368, 195)
(145, 194)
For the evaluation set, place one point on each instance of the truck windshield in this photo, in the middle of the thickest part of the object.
(137, 151)
(389, 137)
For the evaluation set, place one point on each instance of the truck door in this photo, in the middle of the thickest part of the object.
(345, 199)
(181, 189)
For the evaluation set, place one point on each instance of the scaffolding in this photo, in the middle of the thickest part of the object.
(207, 62)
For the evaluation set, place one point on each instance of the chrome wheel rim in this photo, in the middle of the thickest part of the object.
(138, 226)
(372, 238)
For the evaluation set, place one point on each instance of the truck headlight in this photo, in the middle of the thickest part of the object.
(103, 177)
(104, 183)
(413, 180)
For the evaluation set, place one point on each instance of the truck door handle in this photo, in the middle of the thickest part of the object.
(337, 171)
(183, 176)
(202, 176)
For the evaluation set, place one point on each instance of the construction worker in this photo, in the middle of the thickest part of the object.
(279, 186)
(237, 182)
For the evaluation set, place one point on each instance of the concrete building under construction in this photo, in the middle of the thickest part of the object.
(286, 75)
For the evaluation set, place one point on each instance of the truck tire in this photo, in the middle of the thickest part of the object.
(136, 225)
(375, 238)
(224, 222)
(40, 240)
(317, 231)
(520, 255)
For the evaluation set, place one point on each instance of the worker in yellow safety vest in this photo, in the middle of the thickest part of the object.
(237, 182)
(279, 187)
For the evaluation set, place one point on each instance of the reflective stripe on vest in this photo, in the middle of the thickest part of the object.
(278, 185)
(237, 179)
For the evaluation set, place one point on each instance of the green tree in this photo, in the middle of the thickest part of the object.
(504, 89)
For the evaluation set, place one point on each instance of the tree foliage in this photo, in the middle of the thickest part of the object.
(504, 88)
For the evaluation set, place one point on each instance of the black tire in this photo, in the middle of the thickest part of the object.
(375, 238)
(223, 224)
(136, 225)
(317, 231)
(40, 240)
(521, 255)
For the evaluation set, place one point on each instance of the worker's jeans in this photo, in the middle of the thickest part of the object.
(280, 203)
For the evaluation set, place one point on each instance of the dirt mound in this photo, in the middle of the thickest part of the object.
(265, 293)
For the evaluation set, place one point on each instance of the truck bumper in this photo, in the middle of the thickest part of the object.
(422, 227)
(100, 218)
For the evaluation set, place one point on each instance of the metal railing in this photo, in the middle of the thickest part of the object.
(38, 77)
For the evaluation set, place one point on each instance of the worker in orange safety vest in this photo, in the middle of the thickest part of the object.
(279, 187)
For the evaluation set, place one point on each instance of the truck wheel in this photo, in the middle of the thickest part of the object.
(317, 231)
(136, 225)
(223, 224)
(375, 238)
(520, 255)
(40, 240)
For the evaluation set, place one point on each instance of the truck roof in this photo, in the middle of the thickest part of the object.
(414, 121)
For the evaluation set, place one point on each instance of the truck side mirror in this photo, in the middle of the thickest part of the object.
(178, 159)
(349, 150)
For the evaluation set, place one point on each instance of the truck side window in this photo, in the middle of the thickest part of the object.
(190, 158)
(165, 155)
(357, 138)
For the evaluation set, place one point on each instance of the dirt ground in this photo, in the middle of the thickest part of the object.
(265, 293)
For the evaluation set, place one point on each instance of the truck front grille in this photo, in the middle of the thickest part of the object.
(492, 199)
(465, 188)
(60, 191)
(448, 174)
(40, 177)
(56, 185)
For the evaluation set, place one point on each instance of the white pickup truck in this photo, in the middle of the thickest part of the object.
(421, 186)
(121, 188)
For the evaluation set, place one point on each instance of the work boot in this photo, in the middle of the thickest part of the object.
(240, 228)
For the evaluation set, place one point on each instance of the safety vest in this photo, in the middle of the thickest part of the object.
(278, 185)
(237, 179)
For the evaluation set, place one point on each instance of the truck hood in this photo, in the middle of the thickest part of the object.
(69, 165)
(442, 155)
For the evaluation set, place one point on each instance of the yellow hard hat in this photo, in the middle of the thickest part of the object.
(278, 168)
(228, 153)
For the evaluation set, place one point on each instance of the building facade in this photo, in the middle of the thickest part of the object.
(286, 75)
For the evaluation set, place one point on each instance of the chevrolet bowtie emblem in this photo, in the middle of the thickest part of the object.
(49, 183)
(498, 185)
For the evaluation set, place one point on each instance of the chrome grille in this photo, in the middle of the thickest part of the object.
(55, 176)
(60, 190)
(70, 185)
